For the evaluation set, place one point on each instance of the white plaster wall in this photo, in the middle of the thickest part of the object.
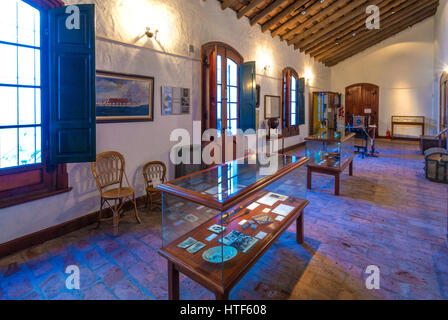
(402, 66)
(440, 51)
(180, 23)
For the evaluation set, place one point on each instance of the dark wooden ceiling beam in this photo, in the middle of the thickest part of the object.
(337, 6)
(358, 28)
(298, 4)
(251, 6)
(332, 25)
(387, 24)
(379, 36)
(226, 3)
(266, 11)
(298, 19)
(422, 16)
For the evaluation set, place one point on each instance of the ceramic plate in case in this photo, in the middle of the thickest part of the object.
(215, 254)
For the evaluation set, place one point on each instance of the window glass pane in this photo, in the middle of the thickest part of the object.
(293, 119)
(219, 128)
(8, 148)
(26, 18)
(233, 96)
(8, 64)
(27, 148)
(38, 144)
(38, 107)
(293, 107)
(293, 96)
(8, 24)
(28, 67)
(26, 106)
(37, 67)
(234, 127)
(218, 111)
(8, 107)
(293, 83)
(232, 73)
(233, 111)
(219, 69)
(219, 93)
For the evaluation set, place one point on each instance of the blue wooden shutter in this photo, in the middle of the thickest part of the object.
(301, 91)
(248, 89)
(72, 136)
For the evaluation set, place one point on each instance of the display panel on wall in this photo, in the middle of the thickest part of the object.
(124, 97)
(175, 101)
(272, 107)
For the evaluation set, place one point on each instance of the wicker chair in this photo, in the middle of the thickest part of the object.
(108, 171)
(154, 172)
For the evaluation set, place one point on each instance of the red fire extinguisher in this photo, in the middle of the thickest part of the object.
(388, 137)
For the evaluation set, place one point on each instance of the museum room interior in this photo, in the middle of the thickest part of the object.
(223, 149)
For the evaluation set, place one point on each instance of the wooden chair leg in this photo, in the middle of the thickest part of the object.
(150, 202)
(116, 219)
(100, 214)
(351, 168)
(147, 200)
(135, 209)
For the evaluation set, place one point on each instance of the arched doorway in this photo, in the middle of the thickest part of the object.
(362, 99)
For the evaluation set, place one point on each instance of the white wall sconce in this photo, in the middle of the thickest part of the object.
(150, 34)
(309, 76)
(266, 69)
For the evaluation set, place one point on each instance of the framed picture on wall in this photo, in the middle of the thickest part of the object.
(124, 97)
(272, 107)
(175, 101)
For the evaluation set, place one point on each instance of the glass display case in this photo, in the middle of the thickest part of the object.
(330, 149)
(217, 222)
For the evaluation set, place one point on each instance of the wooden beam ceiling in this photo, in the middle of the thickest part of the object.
(331, 31)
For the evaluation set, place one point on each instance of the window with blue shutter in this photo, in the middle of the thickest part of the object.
(72, 122)
(247, 96)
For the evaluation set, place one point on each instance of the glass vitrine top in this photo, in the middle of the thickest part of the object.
(218, 185)
(331, 135)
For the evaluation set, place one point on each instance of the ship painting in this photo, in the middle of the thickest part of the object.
(123, 97)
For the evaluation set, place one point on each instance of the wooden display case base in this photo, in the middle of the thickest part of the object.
(222, 285)
(336, 172)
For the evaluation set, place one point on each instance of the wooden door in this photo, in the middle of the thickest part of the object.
(362, 99)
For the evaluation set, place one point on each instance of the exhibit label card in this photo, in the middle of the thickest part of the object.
(253, 206)
(283, 210)
(211, 237)
(261, 235)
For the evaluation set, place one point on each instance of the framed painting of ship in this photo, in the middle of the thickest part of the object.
(124, 97)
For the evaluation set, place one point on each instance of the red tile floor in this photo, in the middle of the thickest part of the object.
(387, 215)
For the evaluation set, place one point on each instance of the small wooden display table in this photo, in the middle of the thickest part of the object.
(416, 121)
(336, 172)
(333, 163)
(222, 277)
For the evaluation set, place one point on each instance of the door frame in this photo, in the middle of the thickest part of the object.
(221, 48)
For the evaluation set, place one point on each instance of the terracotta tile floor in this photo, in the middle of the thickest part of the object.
(387, 215)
